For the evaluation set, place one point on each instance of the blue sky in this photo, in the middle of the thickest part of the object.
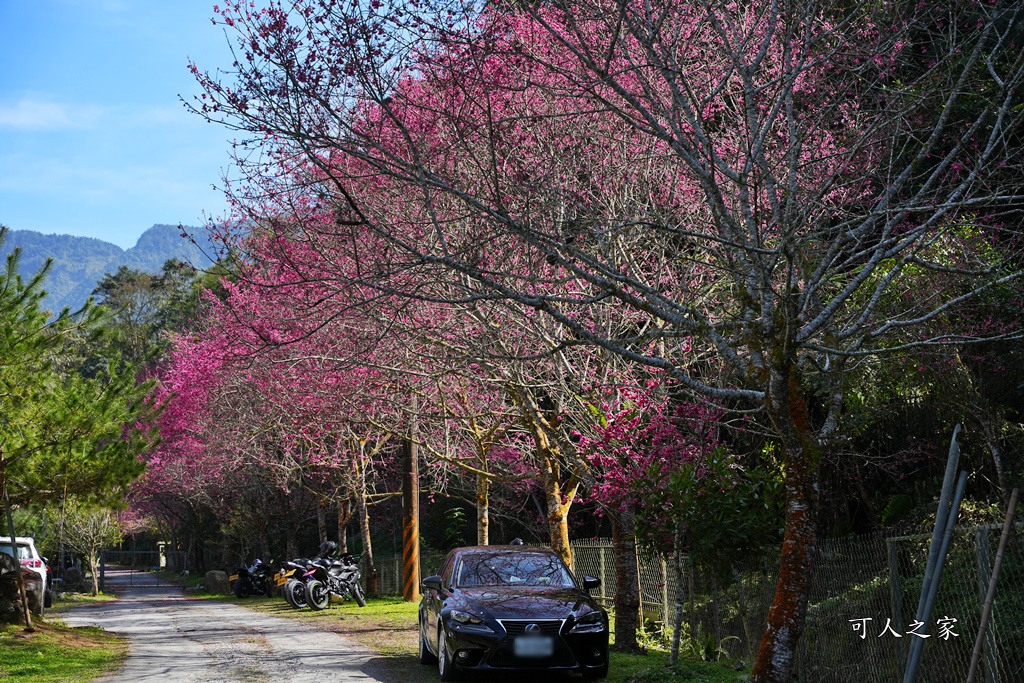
(93, 138)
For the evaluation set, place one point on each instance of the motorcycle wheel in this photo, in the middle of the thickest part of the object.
(317, 595)
(242, 588)
(270, 587)
(296, 593)
(357, 594)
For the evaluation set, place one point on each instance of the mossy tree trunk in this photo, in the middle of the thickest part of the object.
(801, 455)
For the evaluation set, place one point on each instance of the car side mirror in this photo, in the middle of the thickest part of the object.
(433, 582)
(589, 582)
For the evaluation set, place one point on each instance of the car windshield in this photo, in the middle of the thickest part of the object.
(513, 569)
(23, 551)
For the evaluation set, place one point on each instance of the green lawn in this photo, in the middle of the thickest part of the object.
(387, 625)
(68, 601)
(57, 653)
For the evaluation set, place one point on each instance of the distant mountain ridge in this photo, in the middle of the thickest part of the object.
(80, 262)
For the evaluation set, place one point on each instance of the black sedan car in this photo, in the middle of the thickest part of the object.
(511, 608)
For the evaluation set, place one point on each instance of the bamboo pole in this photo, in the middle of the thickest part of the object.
(986, 611)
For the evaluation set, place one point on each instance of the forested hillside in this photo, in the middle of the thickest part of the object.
(80, 262)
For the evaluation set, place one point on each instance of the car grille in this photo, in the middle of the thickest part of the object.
(548, 627)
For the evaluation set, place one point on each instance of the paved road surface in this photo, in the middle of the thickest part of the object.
(174, 639)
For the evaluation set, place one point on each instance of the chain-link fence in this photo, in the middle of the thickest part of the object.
(389, 571)
(594, 557)
(861, 611)
(861, 616)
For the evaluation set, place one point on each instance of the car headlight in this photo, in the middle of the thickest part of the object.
(465, 617)
(591, 621)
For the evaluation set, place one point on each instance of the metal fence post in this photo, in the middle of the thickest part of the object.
(934, 564)
(914, 657)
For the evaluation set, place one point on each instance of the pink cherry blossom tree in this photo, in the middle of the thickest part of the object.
(755, 180)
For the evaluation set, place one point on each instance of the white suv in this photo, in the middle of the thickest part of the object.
(30, 560)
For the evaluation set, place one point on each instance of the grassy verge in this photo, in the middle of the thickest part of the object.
(387, 625)
(68, 601)
(58, 653)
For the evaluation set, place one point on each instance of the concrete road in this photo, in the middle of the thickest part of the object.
(174, 639)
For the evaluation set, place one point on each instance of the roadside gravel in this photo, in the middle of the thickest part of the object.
(174, 638)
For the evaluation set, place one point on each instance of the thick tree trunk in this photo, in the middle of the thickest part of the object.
(627, 579)
(558, 499)
(482, 510)
(557, 510)
(363, 515)
(344, 516)
(94, 569)
(364, 532)
(801, 455)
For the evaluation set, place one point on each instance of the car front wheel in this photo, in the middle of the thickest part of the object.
(445, 668)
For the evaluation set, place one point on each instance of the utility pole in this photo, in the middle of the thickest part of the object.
(411, 511)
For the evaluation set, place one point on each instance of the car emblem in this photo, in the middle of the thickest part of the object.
(532, 628)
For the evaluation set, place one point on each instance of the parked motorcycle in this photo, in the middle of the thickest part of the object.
(293, 575)
(254, 579)
(292, 581)
(340, 577)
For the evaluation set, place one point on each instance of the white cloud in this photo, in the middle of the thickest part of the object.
(30, 114)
